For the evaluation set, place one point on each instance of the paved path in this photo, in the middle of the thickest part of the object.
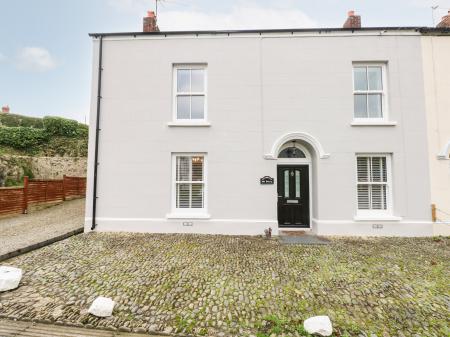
(28, 229)
(9, 328)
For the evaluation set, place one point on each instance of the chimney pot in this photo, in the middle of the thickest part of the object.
(353, 21)
(150, 24)
(445, 22)
(5, 109)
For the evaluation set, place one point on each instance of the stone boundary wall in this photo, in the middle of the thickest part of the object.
(14, 167)
(56, 167)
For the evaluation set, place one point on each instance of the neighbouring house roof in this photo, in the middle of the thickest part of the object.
(419, 30)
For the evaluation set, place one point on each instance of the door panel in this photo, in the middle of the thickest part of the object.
(293, 196)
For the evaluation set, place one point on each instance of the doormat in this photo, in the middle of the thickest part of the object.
(305, 239)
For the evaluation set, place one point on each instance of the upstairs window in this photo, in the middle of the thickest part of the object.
(190, 92)
(369, 94)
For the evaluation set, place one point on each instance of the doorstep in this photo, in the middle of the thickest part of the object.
(301, 237)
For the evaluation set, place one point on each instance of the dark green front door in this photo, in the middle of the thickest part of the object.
(293, 196)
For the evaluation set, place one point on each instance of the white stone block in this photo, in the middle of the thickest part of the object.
(102, 307)
(9, 277)
(320, 325)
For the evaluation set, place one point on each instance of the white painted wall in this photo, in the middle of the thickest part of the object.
(259, 88)
(436, 67)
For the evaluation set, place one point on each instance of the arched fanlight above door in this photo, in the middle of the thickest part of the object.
(304, 137)
(291, 152)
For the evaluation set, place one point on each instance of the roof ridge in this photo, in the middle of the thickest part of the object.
(420, 29)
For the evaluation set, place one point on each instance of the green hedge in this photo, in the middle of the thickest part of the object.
(83, 131)
(13, 120)
(23, 138)
(49, 135)
(57, 126)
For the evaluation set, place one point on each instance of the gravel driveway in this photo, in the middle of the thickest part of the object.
(237, 286)
(24, 230)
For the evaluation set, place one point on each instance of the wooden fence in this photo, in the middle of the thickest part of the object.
(18, 199)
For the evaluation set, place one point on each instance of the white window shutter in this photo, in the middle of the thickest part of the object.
(363, 197)
(379, 169)
(189, 182)
(363, 169)
(197, 168)
(197, 196)
(183, 195)
(183, 169)
(372, 183)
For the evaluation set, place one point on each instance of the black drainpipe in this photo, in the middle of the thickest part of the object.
(97, 130)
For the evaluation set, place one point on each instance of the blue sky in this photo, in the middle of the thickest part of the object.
(45, 51)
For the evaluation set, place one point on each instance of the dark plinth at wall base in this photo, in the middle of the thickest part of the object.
(38, 245)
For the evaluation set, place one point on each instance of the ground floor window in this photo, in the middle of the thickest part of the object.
(189, 181)
(373, 182)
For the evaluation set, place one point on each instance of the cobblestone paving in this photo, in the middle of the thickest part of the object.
(237, 286)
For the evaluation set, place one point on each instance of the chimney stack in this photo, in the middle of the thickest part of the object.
(150, 23)
(5, 109)
(445, 23)
(353, 21)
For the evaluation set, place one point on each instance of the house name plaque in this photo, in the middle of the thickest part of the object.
(266, 180)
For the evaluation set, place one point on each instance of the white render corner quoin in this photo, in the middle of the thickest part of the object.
(211, 144)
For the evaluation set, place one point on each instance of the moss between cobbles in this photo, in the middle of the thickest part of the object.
(238, 286)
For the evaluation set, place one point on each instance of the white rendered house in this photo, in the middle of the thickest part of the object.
(436, 69)
(232, 132)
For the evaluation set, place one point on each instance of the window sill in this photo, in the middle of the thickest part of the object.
(188, 216)
(189, 123)
(372, 123)
(377, 218)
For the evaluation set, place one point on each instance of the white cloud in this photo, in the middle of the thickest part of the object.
(35, 59)
(2, 57)
(242, 15)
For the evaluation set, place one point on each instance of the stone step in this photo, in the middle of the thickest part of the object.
(302, 238)
(292, 233)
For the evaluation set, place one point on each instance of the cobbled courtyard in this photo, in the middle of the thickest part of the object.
(237, 286)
